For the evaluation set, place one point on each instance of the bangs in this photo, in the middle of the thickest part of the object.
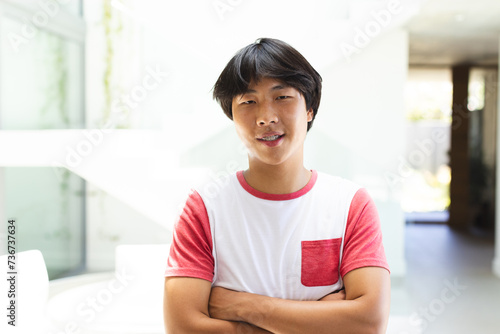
(259, 61)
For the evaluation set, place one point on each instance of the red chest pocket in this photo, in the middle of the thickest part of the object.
(320, 262)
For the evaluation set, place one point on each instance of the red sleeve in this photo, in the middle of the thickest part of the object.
(191, 249)
(363, 236)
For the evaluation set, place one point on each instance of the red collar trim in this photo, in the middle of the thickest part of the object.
(277, 197)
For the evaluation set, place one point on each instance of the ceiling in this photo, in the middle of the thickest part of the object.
(448, 32)
(442, 32)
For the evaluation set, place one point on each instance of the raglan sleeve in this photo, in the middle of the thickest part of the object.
(191, 249)
(363, 245)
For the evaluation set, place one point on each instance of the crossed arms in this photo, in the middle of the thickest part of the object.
(191, 305)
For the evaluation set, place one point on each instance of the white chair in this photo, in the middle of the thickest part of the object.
(130, 302)
(136, 304)
(31, 292)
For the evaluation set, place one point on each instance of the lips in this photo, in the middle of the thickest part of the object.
(271, 139)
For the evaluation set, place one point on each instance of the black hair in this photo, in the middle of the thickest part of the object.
(268, 58)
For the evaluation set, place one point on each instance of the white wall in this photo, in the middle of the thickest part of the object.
(496, 260)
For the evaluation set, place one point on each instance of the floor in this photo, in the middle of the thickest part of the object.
(449, 287)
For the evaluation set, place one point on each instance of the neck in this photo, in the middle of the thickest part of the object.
(279, 179)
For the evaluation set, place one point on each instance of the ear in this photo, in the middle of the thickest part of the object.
(310, 115)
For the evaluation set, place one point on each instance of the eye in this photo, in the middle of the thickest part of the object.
(282, 97)
(248, 102)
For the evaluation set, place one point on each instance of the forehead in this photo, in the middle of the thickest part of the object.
(266, 84)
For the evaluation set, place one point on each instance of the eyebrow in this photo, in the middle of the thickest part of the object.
(274, 88)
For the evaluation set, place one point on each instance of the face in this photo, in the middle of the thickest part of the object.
(271, 119)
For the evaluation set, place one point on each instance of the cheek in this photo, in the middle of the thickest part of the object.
(299, 120)
(242, 121)
(241, 130)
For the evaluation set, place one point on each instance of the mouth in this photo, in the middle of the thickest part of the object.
(271, 138)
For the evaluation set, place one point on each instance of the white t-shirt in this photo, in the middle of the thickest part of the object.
(294, 246)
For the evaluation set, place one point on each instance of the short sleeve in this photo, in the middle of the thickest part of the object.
(191, 249)
(363, 236)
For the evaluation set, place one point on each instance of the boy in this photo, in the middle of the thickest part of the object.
(279, 248)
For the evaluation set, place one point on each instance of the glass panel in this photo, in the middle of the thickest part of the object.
(47, 204)
(428, 99)
(41, 82)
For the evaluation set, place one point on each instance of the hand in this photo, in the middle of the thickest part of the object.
(337, 295)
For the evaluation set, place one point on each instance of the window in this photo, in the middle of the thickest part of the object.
(42, 88)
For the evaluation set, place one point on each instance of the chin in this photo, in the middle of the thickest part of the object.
(272, 162)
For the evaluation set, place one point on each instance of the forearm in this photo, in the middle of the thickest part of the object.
(287, 316)
(364, 310)
(208, 325)
(186, 310)
(178, 321)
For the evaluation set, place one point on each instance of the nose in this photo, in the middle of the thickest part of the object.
(266, 115)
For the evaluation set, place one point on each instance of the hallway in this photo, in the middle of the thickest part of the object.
(449, 287)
